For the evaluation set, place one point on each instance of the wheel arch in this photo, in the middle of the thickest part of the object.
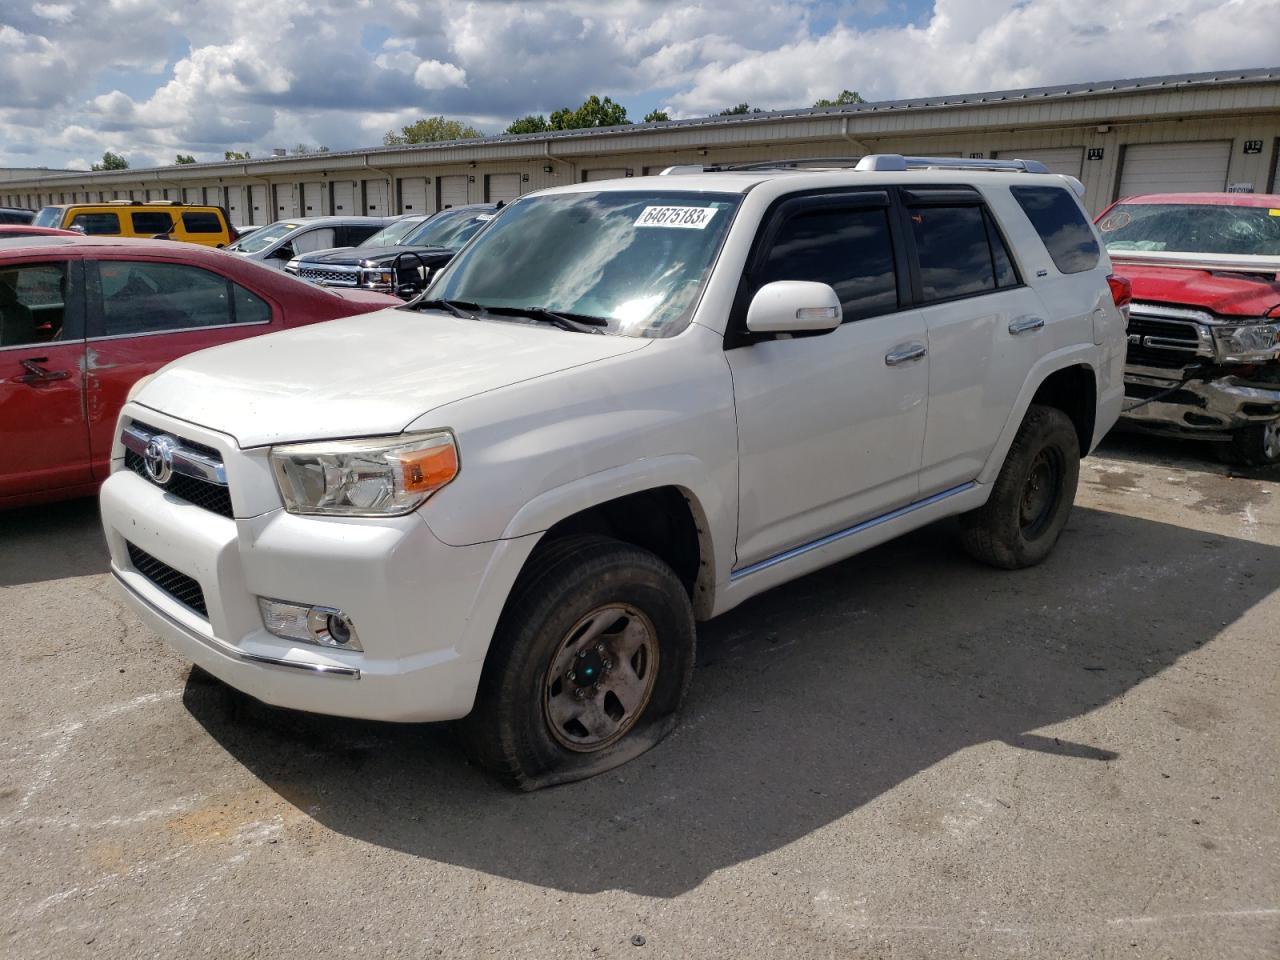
(1066, 379)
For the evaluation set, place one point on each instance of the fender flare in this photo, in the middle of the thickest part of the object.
(1076, 355)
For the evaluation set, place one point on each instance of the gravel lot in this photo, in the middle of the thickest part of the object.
(905, 755)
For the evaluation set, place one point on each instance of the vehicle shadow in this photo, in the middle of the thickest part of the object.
(52, 541)
(809, 702)
(1201, 455)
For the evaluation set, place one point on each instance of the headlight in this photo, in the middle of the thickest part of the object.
(1248, 343)
(380, 477)
(377, 276)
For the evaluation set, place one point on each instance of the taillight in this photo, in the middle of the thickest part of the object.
(1121, 293)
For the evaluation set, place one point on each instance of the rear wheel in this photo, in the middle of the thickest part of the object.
(1257, 446)
(588, 666)
(1032, 497)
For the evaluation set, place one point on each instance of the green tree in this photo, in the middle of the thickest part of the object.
(184, 158)
(594, 112)
(304, 148)
(654, 116)
(236, 155)
(430, 130)
(530, 124)
(111, 161)
(740, 108)
(846, 96)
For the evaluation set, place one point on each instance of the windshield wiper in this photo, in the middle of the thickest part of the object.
(576, 322)
(461, 309)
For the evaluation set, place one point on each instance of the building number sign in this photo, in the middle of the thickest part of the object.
(1253, 146)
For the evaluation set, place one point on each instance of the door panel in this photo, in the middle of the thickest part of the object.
(344, 194)
(260, 205)
(142, 314)
(413, 195)
(286, 201)
(1174, 167)
(828, 434)
(375, 199)
(830, 427)
(45, 444)
(452, 191)
(314, 199)
(502, 186)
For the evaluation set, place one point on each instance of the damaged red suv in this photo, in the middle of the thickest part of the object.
(1204, 326)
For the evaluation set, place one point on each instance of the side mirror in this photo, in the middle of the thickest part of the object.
(284, 253)
(794, 306)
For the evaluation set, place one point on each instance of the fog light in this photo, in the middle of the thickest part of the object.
(325, 626)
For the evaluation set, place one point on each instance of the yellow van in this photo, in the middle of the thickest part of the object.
(192, 222)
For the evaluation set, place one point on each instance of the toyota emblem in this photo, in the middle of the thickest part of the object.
(158, 458)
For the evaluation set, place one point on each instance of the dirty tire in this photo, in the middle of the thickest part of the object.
(1257, 446)
(508, 732)
(1032, 497)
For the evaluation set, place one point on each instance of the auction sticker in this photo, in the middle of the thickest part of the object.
(685, 218)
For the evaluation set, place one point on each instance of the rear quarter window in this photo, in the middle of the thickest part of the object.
(1062, 226)
(194, 221)
(149, 222)
(96, 224)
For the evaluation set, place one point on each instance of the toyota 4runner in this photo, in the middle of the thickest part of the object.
(623, 408)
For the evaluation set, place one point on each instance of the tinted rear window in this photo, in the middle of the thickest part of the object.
(1061, 225)
(96, 224)
(151, 222)
(201, 222)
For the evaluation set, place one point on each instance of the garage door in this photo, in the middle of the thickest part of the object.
(237, 206)
(315, 199)
(259, 205)
(501, 186)
(413, 195)
(451, 191)
(375, 199)
(611, 173)
(1174, 167)
(286, 201)
(1068, 160)
(344, 197)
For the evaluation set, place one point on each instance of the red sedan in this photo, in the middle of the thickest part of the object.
(10, 230)
(83, 318)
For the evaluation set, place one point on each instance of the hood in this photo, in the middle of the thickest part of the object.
(362, 376)
(354, 256)
(1222, 293)
(365, 299)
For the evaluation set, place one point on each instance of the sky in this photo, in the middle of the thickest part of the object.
(153, 78)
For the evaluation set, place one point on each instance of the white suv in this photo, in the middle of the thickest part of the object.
(624, 407)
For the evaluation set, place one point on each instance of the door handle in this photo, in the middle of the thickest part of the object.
(1025, 324)
(905, 354)
(38, 374)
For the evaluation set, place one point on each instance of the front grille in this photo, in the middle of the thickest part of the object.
(338, 278)
(213, 497)
(1163, 342)
(178, 585)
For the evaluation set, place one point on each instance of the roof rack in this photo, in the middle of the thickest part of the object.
(871, 162)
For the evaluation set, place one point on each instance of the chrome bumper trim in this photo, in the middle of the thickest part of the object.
(350, 673)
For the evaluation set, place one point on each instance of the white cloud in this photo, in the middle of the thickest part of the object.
(434, 75)
(59, 12)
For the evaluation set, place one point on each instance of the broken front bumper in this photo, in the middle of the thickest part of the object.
(1220, 405)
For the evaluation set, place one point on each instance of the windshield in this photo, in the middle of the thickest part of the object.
(393, 233)
(48, 217)
(450, 228)
(1192, 228)
(264, 237)
(637, 259)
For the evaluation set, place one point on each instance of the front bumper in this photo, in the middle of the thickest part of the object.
(424, 610)
(1217, 406)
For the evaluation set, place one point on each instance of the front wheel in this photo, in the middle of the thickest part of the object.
(1032, 497)
(588, 667)
(1257, 446)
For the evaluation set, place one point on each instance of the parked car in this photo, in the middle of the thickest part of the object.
(16, 215)
(403, 267)
(10, 230)
(623, 407)
(82, 319)
(206, 225)
(277, 243)
(1204, 325)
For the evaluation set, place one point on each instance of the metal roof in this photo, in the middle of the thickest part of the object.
(1094, 88)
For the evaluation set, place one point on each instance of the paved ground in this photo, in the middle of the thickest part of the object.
(906, 755)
